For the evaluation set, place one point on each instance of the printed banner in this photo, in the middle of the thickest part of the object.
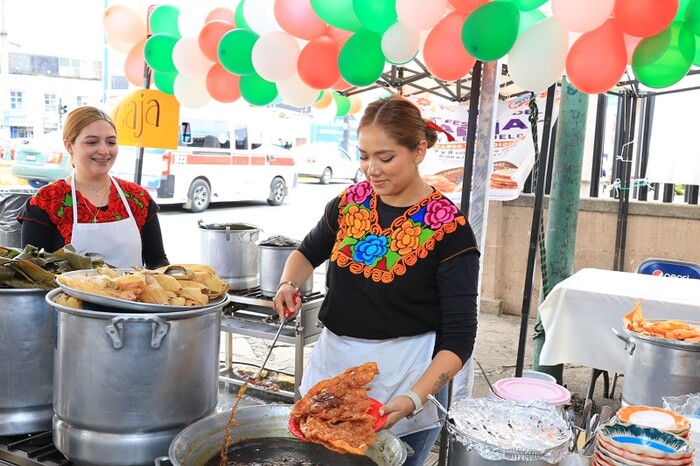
(147, 118)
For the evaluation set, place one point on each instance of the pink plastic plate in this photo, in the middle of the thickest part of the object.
(529, 389)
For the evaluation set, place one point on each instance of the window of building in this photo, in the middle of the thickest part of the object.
(50, 103)
(16, 100)
(81, 100)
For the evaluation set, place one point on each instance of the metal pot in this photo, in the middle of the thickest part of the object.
(201, 441)
(26, 361)
(126, 383)
(658, 367)
(231, 248)
(272, 260)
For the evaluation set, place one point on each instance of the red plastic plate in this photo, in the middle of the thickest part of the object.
(373, 410)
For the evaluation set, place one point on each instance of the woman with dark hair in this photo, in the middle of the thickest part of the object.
(90, 209)
(402, 277)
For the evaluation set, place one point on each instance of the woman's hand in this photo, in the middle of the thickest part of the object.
(287, 301)
(396, 409)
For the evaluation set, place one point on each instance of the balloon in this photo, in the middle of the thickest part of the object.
(298, 18)
(490, 31)
(466, 6)
(443, 52)
(121, 47)
(644, 18)
(527, 5)
(664, 59)
(578, 16)
(597, 59)
(355, 104)
(239, 17)
(375, 15)
(158, 52)
(318, 63)
(122, 24)
(275, 55)
(163, 20)
(165, 82)
(235, 49)
(189, 59)
(209, 37)
(338, 13)
(341, 85)
(191, 91)
(260, 16)
(529, 19)
(223, 86)
(680, 14)
(221, 14)
(342, 104)
(420, 15)
(134, 64)
(296, 92)
(400, 44)
(191, 19)
(324, 100)
(257, 91)
(537, 59)
(341, 36)
(631, 43)
(360, 60)
(692, 16)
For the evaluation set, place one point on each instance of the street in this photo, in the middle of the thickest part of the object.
(300, 211)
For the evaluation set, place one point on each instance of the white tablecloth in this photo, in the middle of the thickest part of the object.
(579, 313)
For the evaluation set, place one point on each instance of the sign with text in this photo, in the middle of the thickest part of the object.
(147, 118)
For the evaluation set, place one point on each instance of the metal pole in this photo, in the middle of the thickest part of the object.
(598, 144)
(471, 138)
(625, 178)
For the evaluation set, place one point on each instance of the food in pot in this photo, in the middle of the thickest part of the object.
(69, 301)
(669, 329)
(335, 413)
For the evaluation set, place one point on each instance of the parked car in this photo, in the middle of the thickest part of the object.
(42, 160)
(326, 161)
(8, 147)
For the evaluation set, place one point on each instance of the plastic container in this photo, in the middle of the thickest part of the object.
(539, 375)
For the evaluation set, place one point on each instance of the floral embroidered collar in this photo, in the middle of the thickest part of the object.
(366, 248)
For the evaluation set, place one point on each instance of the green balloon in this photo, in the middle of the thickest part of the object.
(490, 31)
(682, 6)
(527, 5)
(664, 59)
(235, 49)
(158, 52)
(163, 19)
(375, 15)
(692, 16)
(238, 17)
(696, 60)
(165, 82)
(257, 91)
(338, 13)
(342, 104)
(361, 60)
(529, 19)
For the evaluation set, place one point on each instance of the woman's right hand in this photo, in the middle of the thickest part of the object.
(287, 301)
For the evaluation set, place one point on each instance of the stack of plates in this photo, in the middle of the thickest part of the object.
(651, 416)
(621, 444)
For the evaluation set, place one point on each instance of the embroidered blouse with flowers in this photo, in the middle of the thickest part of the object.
(50, 214)
(397, 271)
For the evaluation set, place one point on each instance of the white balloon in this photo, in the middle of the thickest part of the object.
(537, 59)
(260, 16)
(191, 91)
(296, 92)
(400, 44)
(274, 56)
(579, 16)
(191, 19)
(189, 59)
(420, 14)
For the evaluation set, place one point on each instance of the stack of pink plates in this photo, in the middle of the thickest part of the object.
(528, 389)
(651, 416)
(630, 444)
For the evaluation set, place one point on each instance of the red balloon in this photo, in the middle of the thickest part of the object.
(443, 52)
(222, 85)
(644, 18)
(341, 36)
(318, 63)
(467, 6)
(597, 60)
(221, 14)
(341, 85)
(298, 18)
(210, 35)
(134, 64)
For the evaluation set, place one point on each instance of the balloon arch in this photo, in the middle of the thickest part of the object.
(308, 52)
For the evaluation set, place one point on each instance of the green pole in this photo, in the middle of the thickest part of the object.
(560, 237)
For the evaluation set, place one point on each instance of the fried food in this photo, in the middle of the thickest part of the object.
(335, 414)
(669, 329)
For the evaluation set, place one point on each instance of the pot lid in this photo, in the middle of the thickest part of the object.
(528, 389)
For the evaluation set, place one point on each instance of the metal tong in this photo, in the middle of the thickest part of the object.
(283, 322)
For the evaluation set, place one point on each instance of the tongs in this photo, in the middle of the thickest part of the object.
(283, 322)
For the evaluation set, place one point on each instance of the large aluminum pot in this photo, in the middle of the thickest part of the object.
(273, 254)
(658, 367)
(201, 441)
(126, 383)
(26, 361)
(231, 249)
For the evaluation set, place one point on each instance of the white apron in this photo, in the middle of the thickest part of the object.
(401, 362)
(119, 242)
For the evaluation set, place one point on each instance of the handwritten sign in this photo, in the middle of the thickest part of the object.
(147, 118)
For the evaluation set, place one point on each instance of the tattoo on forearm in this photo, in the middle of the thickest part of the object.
(440, 382)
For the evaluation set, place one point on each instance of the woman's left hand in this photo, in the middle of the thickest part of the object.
(396, 409)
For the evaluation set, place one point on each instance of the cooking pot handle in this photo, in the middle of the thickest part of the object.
(159, 329)
(163, 461)
(629, 344)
